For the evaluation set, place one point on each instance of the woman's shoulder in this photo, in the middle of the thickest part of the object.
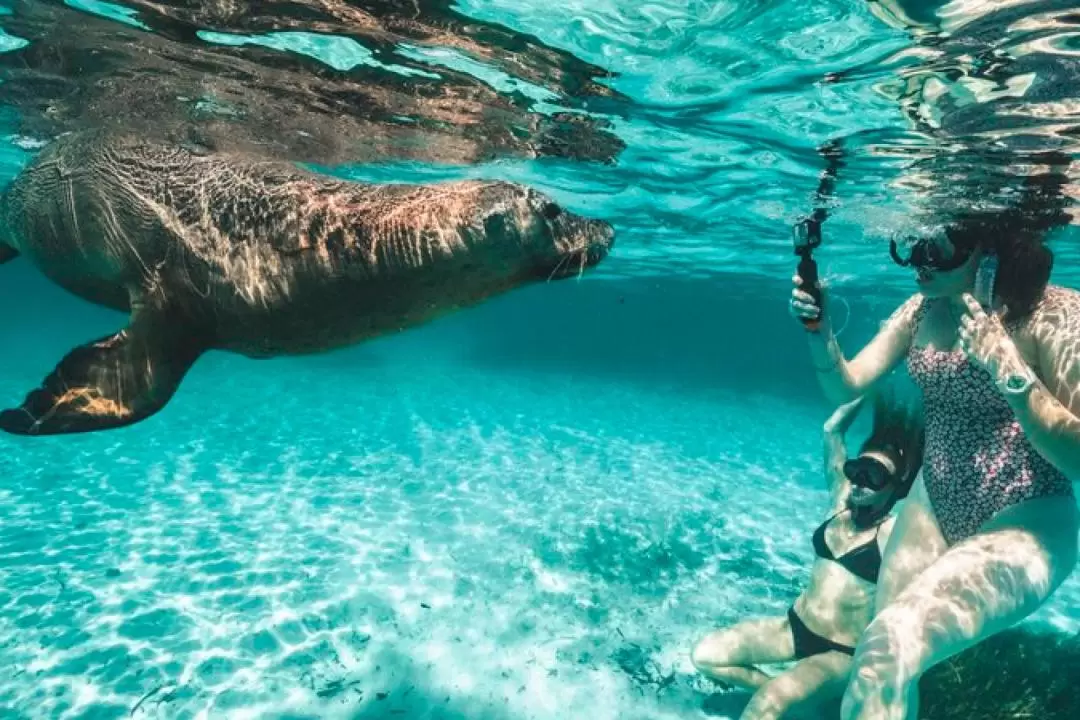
(910, 311)
(914, 300)
(1060, 294)
(1059, 308)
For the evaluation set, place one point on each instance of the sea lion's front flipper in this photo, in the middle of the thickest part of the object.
(7, 253)
(112, 382)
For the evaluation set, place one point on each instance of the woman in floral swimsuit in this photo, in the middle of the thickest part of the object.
(989, 530)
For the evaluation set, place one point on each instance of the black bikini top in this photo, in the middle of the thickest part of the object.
(863, 561)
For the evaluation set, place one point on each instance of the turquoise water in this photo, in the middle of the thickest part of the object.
(530, 509)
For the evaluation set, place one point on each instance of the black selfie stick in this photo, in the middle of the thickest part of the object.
(808, 230)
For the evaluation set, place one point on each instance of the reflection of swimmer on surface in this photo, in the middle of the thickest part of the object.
(989, 530)
(822, 627)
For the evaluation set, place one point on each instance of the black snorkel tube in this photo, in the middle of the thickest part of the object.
(807, 235)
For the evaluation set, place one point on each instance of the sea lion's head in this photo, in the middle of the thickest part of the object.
(550, 240)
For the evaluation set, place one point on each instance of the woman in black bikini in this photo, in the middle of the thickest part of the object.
(822, 628)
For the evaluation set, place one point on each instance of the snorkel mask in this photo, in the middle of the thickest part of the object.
(871, 479)
(925, 254)
(869, 473)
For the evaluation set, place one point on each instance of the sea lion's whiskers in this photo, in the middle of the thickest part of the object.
(558, 267)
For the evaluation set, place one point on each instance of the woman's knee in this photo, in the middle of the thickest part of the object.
(766, 704)
(893, 640)
(973, 591)
(716, 651)
(711, 653)
(728, 646)
(798, 693)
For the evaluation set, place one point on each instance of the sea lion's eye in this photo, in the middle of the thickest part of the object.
(551, 211)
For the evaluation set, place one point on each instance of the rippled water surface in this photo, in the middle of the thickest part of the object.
(693, 124)
(533, 508)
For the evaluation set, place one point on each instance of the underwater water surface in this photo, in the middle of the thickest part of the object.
(528, 509)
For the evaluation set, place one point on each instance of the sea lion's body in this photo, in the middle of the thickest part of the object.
(260, 258)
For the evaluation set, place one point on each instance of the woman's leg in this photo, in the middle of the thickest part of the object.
(915, 542)
(802, 690)
(979, 587)
(729, 655)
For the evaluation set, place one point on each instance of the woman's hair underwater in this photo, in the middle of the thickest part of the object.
(897, 430)
(1017, 235)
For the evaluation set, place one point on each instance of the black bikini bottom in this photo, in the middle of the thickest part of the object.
(808, 642)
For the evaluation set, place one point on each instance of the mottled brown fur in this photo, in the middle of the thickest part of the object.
(264, 258)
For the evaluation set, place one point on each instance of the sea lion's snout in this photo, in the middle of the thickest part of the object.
(582, 243)
(575, 242)
(554, 241)
(599, 237)
(579, 243)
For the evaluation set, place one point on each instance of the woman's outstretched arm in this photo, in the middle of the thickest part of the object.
(844, 380)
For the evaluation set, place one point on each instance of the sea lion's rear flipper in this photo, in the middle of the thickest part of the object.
(112, 382)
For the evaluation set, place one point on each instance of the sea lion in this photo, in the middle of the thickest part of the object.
(261, 258)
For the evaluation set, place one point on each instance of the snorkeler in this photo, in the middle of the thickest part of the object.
(989, 530)
(822, 627)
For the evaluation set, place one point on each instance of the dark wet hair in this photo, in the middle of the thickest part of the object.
(1017, 235)
(897, 431)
